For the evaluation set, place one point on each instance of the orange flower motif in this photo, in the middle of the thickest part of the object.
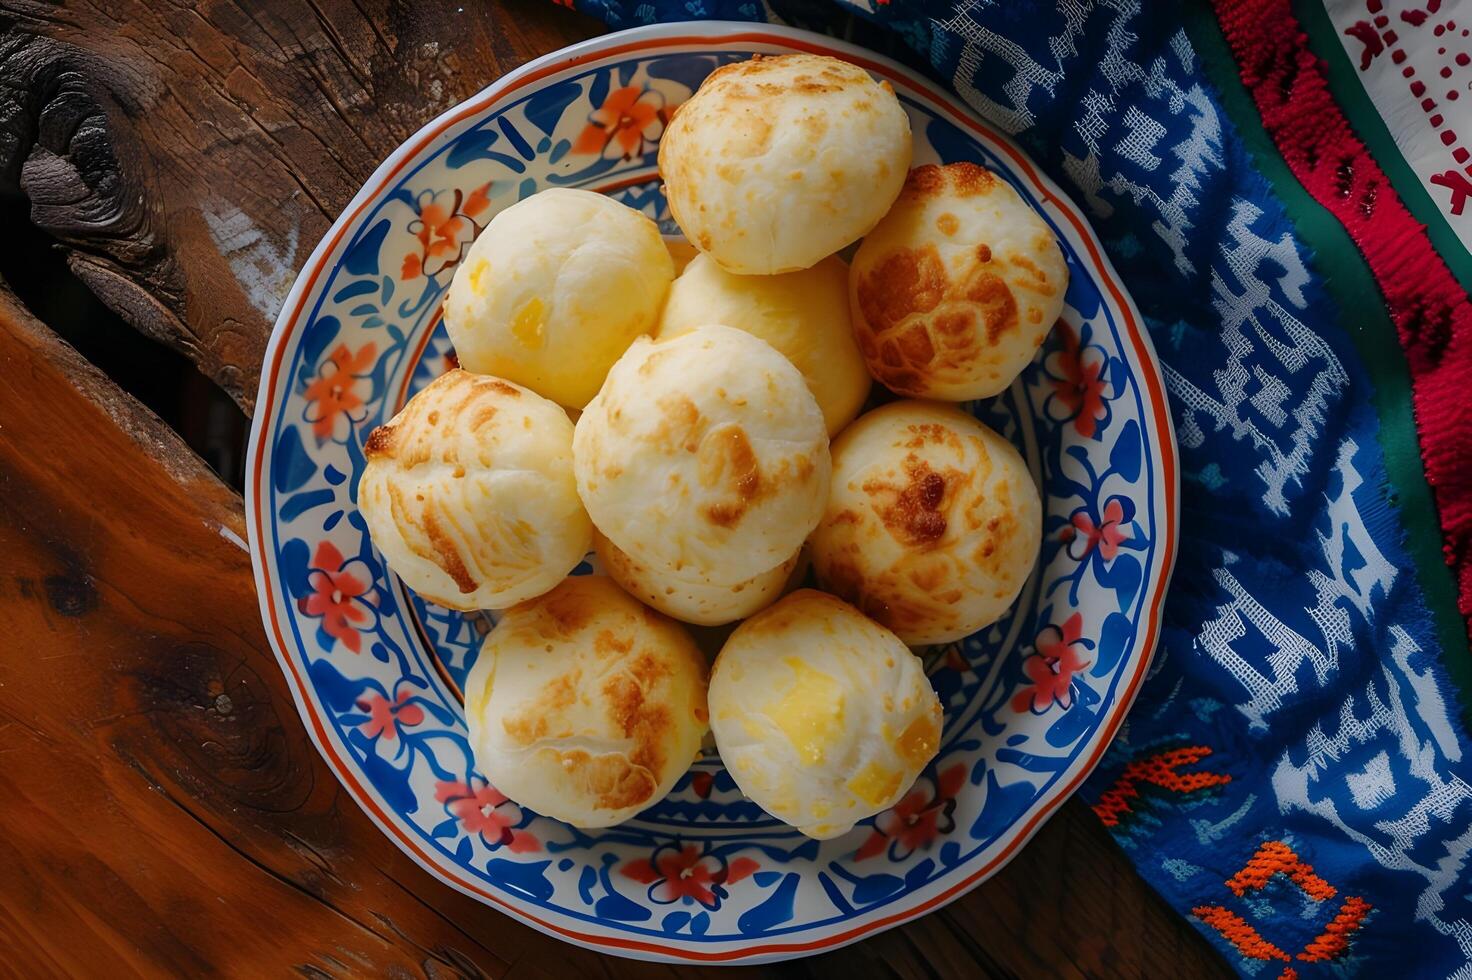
(339, 595)
(921, 816)
(477, 201)
(628, 118)
(1051, 669)
(1080, 385)
(684, 873)
(444, 231)
(333, 395)
(385, 716)
(482, 809)
(1083, 535)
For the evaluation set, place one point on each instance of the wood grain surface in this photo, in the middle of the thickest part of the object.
(189, 156)
(161, 809)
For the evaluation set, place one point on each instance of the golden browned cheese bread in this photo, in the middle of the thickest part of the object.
(585, 705)
(954, 291)
(468, 493)
(822, 716)
(933, 523)
(704, 455)
(692, 598)
(778, 162)
(802, 314)
(556, 288)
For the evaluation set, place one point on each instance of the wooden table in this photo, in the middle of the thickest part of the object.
(161, 809)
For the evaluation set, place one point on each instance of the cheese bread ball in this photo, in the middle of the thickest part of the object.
(954, 291)
(778, 162)
(933, 524)
(692, 599)
(704, 455)
(585, 705)
(555, 288)
(823, 717)
(803, 314)
(469, 494)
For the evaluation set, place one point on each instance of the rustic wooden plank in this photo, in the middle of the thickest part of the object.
(189, 157)
(164, 811)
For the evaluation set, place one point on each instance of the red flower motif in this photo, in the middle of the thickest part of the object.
(444, 231)
(701, 782)
(1051, 669)
(676, 873)
(333, 395)
(338, 595)
(628, 118)
(922, 815)
(1079, 382)
(1107, 536)
(384, 716)
(486, 811)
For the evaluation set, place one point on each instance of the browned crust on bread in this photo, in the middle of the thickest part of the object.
(611, 779)
(913, 511)
(380, 443)
(499, 387)
(444, 553)
(728, 461)
(964, 179)
(917, 324)
(532, 723)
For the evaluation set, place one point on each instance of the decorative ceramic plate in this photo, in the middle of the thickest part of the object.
(704, 875)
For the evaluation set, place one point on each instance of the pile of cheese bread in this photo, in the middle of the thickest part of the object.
(692, 414)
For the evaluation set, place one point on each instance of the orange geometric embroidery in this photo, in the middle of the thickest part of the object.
(1239, 932)
(1272, 858)
(1334, 941)
(1157, 770)
(1275, 857)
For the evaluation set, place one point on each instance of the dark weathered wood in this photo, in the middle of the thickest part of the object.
(189, 156)
(163, 809)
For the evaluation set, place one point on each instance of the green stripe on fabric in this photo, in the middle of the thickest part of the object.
(1369, 126)
(1349, 281)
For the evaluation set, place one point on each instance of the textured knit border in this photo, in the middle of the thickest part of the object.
(1431, 311)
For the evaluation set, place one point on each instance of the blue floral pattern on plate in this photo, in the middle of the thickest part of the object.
(1030, 702)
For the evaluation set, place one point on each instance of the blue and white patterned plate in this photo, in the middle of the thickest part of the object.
(704, 875)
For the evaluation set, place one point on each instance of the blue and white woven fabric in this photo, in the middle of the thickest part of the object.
(1293, 776)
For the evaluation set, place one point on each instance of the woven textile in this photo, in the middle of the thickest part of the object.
(1293, 777)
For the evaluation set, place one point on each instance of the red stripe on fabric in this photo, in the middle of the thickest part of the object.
(1431, 312)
